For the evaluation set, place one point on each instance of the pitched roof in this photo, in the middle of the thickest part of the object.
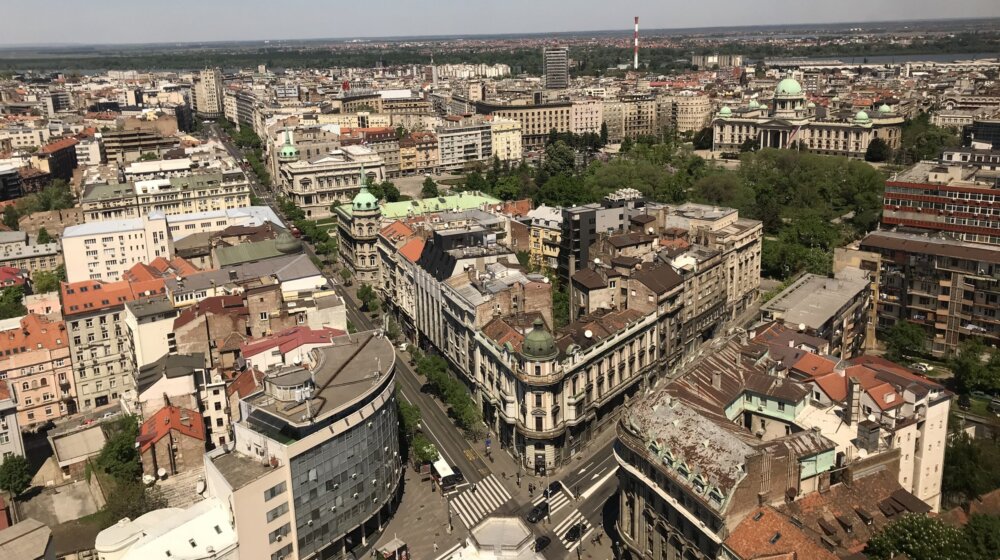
(246, 383)
(34, 332)
(766, 533)
(412, 249)
(659, 278)
(589, 278)
(289, 340)
(167, 419)
(396, 230)
(213, 305)
(28, 539)
(88, 296)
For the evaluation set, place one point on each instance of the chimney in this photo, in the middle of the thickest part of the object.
(853, 401)
(717, 380)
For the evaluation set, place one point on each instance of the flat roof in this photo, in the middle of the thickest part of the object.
(238, 469)
(347, 369)
(812, 300)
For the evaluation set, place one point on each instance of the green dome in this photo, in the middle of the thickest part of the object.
(810, 105)
(364, 200)
(884, 109)
(726, 112)
(754, 104)
(861, 116)
(288, 151)
(788, 86)
(539, 344)
(287, 244)
(836, 98)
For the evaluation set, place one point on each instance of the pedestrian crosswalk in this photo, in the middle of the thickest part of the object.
(556, 502)
(479, 500)
(564, 527)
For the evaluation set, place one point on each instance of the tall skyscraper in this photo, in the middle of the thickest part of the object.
(208, 93)
(555, 64)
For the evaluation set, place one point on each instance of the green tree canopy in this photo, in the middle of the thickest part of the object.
(43, 236)
(429, 189)
(15, 476)
(878, 150)
(12, 302)
(119, 456)
(919, 538)
(904, 339)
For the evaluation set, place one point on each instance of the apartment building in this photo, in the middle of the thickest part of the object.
(689, 112)
(327, 180)
(126, 146)
(506, 139)
(11, 441)
(537, 118)
(555, 67)
(955, 195)
(630, 117)
(32, 257)
(36, 363)
(418, 153)
(462, 142)
(207, 94)
(545, 227)
(313, 445)
(358, 232)
(699, 457)
(174, 195)
(58, 158)
(586, 116)
(105, 250)
(11, 184)
(381, 140)
(947, 287)
(94, 313)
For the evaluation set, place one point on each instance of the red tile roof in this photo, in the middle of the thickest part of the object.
(88, 296)
(289, 340)
(765, 533)
(246, 383)
(58, 145)
(35, 332)
(214, 305)
(396, 230)
(411, 251)
(167, 419)
(10, 276)
(812, 365)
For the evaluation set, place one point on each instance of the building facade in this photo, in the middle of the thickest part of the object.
(37, 365)
(555, 67)
(332, 179)
(175, 195)
(105, 250)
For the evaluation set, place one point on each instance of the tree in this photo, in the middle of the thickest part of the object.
(15, 476)
(918, 537)
(429, 189)
(366, 294)
(703, 139)
(982, 537)
(970, 371)
(345, 275)
(971, 468)
(390, 191)
(409, 417)
(423, 450)
(44, 281)
(119, 457)
(604, 134)
(748, 145)
(904, 339)
(10, 217)
(131, 499)
(12, 302)
(560, 159)
(626, 146)
(43, 236)
(878, 150)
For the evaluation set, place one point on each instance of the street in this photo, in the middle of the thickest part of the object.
(491, 486)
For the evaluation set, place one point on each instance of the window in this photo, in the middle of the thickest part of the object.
(263, 315)
(277, 512)
(274, 491)
(538, 400)
(781, 407)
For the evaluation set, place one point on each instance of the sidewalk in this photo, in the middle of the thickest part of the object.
(421, 520)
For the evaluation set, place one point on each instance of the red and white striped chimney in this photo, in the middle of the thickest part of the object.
(635, 41)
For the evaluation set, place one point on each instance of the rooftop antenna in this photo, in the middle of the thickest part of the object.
(635, 45)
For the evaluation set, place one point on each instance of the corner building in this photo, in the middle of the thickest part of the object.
(314, 470)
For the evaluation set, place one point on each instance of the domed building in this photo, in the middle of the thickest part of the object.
(359, 235)
(793, 122)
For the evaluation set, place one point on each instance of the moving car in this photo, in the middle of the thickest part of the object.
(538, 512)
(575, 532)
(552, 489)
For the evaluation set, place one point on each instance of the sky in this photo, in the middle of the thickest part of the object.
(121, 21)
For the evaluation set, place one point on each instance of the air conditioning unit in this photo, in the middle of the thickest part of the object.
(279, 538)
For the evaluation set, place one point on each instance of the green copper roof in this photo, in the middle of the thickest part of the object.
(288, 151)
(539, 344)
(884, 109)
(861, 116)
(788, 86)
(463, 201)
(364, 200)
(725, 111)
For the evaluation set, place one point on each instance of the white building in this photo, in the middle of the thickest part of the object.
(105, 250)
(10, 432)
(201, 532)
(464, 142)
(586, 115)
(208, 93)
(498, 538)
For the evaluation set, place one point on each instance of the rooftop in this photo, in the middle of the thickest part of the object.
(939, 246)
(238, 469)
(26, 540)
(813, 300)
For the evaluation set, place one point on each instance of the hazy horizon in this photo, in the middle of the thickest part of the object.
(186, 21)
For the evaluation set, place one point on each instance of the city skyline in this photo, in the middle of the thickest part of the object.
(257, 20)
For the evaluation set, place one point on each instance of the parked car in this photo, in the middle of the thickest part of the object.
(964, 402)
(541, 543)
(575, 532)
(538, 512)
(552, 489)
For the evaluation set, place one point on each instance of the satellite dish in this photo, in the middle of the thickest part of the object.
(161, 472)
(802, 327)
(588, 333)
(650, 230)
(297, 360)
(546, 280)
(597, 261)
(200, 487)
(871, 417)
